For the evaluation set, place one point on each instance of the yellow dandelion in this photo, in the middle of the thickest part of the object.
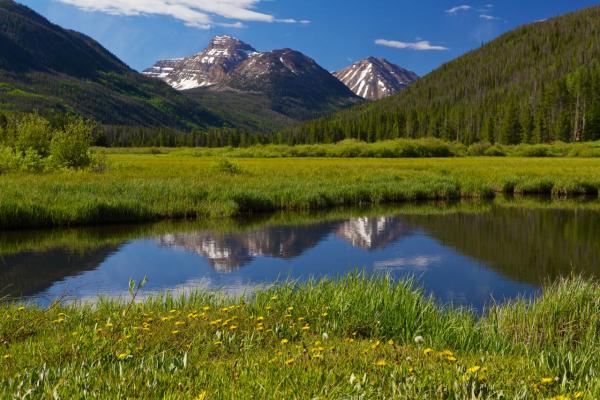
(173, 311)
(289, 361)
(259, 328)
(175, 332)
(474, 370)
(375, 345)
(306, 327)
(578, 395)
(290, 309)
(216, 322)
(428, 351)
(411, 370)
(202, 396)
(447, 353)
(233, 327)
(259, 319)
(288, 315)
(21, 308)
(179, 323)
(59, 321)
(109, 325)
(122, 356)
(546, 381)
(207, 308)
(381, 363)
(274, 298)
(324, 314)
(284, 341)
(390, 342)
(451, 359)
(301, 319)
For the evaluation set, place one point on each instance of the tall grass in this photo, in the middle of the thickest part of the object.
(355, 336)
(147, 187)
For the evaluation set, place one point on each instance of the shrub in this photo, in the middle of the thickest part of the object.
(226, 166)
(494, 151)
(33, 132)
(70, 148)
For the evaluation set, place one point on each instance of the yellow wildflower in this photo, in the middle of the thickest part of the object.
(474, 370)
(375, 345)
(391, 342)
(274, 298)
(284, 341)
(21, 308)
(179, 323)
(233, 327)
(7, 356)
(207, 308)
(109, 325)
(306, 327)
(122, 356)
(324, 314)
(173, 311)
(202, 396)
(428, 351)
(447, 353)
(381, 363)
(259, 319)
(546, 381)
(578, 395)
(451, 359)
(290, 309)
(175, 332)
(289, 361)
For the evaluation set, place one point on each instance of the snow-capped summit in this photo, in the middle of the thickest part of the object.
(375, 78)
(209, 67)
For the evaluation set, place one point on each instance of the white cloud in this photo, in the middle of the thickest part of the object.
(489, 17)
(194, 13)
(456, 9)
(422, 45)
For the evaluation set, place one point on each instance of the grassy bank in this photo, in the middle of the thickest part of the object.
(398, 148)
(348, 338)
(152, 187)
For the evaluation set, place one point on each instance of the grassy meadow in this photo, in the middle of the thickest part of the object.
(351, 337)
(147, 187)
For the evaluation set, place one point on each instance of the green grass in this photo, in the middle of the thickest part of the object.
(352, 337)
(152, 187)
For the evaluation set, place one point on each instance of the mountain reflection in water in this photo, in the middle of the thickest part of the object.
(463, 258)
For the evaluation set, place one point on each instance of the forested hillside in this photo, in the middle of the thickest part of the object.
(538, 83)
(57, 71)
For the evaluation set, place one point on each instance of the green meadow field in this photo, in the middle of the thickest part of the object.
(351, 337)
(146, 187)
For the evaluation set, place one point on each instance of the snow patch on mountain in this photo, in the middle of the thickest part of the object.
(375, 78)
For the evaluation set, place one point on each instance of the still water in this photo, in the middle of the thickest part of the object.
(463, 254)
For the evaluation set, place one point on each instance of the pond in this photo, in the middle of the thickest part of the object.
(464, 254)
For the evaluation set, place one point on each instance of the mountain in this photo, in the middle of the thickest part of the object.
(538, 83)
(375, 78)
(53, 70)
(292, 86)
(209, 67)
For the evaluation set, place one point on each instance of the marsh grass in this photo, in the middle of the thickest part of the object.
(350, 337)
(153, 187)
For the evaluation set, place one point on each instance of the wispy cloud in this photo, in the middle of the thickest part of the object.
(488, 17)
(422, 45)
(194, 13)
(457, 9)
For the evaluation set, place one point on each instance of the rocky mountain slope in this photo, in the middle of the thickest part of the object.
(292, 83)
(375, 78)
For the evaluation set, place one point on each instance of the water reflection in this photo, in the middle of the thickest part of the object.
(466, 256)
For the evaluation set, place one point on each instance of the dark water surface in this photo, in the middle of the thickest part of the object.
(463, 254)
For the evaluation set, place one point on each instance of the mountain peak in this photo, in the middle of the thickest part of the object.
(375, 78)
(209, 67)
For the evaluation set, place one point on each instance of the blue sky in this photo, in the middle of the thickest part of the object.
(418, 35)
